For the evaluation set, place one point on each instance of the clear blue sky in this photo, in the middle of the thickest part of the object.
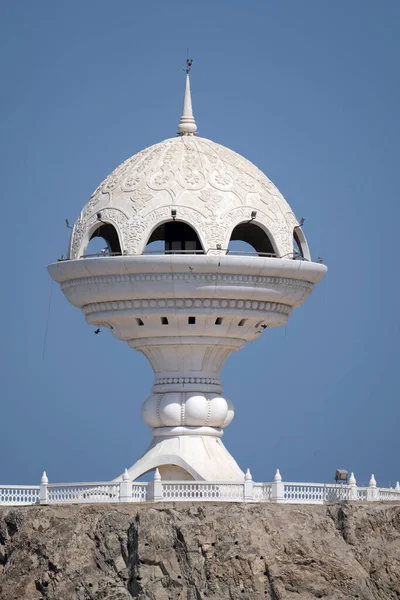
(309, 91)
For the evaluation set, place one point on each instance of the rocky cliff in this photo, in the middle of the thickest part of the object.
(196, 552)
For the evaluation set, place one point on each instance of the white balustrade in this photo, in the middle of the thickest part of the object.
(362, 493)
(199, 491)
(140, 492)
(19, 495)
(337, 492)
(83, 493)
(262, 492)
(388, 494)
(202, 490)
(303, 493)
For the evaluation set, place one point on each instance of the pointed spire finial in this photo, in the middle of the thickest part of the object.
(187, 124)
(125, 476)
(277, 476)
(248, 476)
(157, 476)
(44, 478)
(372, 481)
(352, 479)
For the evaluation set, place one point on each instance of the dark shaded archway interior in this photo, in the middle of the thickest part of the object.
(253, 235)
(109, 234)
(177, 237)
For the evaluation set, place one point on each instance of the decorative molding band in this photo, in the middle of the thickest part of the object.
(186, 303)
(187, 380)
(186, 430)
(229, 278)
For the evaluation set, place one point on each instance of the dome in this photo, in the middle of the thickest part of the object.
(190, 180)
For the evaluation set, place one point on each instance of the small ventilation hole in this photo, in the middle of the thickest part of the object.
(242, 322)
(192, 320)
(164, 321)
(218, 321)
(139, 322)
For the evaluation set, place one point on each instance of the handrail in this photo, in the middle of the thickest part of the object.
(19, 487)
(201, 252)
(159, 490)
(240, 253)
(172, 252)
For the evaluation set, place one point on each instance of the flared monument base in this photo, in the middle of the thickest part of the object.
(201, 457)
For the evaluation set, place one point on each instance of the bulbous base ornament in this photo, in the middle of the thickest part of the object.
(187, 409)
(187, 427)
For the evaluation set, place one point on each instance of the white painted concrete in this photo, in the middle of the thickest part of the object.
(187, 313)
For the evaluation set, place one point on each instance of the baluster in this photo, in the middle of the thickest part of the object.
(248, 487)
(277, 488)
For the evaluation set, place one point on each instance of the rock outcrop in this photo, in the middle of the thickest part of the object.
(191, 551)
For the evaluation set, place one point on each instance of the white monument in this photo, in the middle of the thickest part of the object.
(188, 306)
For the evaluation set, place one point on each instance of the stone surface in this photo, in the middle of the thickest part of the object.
(196, 552)
(187, 310)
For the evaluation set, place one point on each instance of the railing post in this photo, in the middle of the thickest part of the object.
(157, 487)
(43, 492)
(125, 488)
(277, 488)
(372, 491)
(248, 487)
(352, 487)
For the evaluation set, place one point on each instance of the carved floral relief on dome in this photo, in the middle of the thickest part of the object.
(164, 175)
(132, 182)
(247, 183)
(222, 180)
(76, 238)
(132, 233)
(147, 160)
(139, 198)
(239, 162)
(158, 215)
(223, 188)
(193, 179)
(91, 205)
(207, 149)
(161, 179)
(196, 218)
(230, 157)
(189, 168)
(211, 199)
(110, 184)
(217, 234)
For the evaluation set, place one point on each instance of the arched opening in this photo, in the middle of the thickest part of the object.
(250, 238)
(104, 240)
(300, 246)
(174, 473)
(174, 237)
